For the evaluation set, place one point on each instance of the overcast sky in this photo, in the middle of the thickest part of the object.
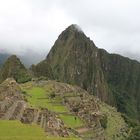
(27, 25)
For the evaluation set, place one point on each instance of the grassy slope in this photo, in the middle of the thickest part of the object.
(114, 122)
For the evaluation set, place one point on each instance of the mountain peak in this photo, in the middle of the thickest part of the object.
(73, 30)
(74, 27)
(13, 57)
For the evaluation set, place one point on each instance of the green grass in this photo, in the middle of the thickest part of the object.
(15, 130)
(70, 120)
(38, 97)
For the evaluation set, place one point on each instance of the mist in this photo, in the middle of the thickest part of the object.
(29, 28)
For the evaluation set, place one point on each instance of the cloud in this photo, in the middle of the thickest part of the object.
(35, 24)
(30, 24)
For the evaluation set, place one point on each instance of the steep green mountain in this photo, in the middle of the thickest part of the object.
(75, 59)
(15, 69)
(42, 69)
(123, 79)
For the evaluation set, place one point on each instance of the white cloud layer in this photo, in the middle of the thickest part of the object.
(35, 24)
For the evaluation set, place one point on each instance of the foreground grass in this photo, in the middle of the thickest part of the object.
(15, 130)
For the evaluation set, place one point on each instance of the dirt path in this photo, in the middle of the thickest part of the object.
(82, 130)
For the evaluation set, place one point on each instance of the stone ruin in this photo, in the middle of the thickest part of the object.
(46, 119)
(14, 107)
(86, 107)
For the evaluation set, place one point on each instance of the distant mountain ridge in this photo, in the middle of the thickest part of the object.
(13, 68)
(115, 79)
(28, 58)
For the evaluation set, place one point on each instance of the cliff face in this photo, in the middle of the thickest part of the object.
(75, 59)
(15, 69)
(123, 78)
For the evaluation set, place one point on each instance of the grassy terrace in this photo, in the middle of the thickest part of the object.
(71, 120)
(39, 97)
(15, 130)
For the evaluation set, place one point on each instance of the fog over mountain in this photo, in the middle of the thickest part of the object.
(30, 27)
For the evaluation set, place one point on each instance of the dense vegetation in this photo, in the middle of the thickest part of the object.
(135, 133)
(42, 69)
(134, 125)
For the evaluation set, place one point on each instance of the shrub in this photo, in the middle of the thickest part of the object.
(75, 109)
(103, 121)
(52, 95)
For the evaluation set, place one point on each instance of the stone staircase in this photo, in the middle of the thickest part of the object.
(4, 106)
(22, 105)
(15, 111)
